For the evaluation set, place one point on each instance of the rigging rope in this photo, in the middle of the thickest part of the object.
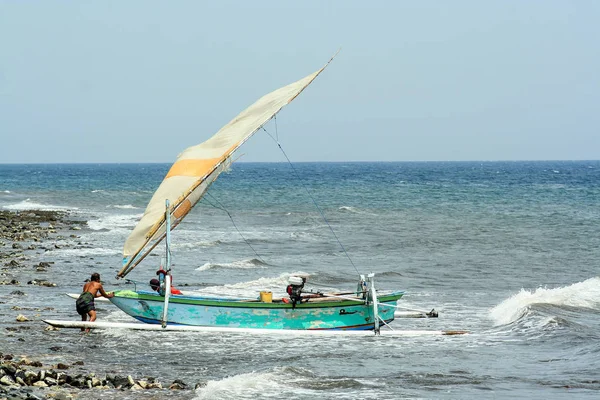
(312, 198)
(222, 207)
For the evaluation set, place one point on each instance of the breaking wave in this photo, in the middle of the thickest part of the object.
(279, 382)
(242, 264)
(584, 294)
(114, 222)
(30, 205)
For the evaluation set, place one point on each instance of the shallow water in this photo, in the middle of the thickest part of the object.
(508, 251)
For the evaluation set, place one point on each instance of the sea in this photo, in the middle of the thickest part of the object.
(508, 251)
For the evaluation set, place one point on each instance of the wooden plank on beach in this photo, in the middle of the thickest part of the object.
(188, 328)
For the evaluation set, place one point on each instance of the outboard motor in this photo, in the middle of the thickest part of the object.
(362, 288)
(294, 289)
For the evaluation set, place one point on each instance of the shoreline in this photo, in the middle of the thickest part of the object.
(27, 239)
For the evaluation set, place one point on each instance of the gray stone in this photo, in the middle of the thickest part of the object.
(51, 381)
(7, 380)
(177, 385)
(79, 382)
(120, 381)
(30, 377)
(51, 328)
(9, 368)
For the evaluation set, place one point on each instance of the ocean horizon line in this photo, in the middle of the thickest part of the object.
(308, 162)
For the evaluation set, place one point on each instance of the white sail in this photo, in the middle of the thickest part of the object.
(198, 166)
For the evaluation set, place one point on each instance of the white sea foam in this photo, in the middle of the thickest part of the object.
(241, 264)
(200, 243)
(114, 222)
(584, 294)
(85, 252)
(354, 210)
(304, 235)
(276, 285)
(30, 205)
(6, 191)
(124, 207)
(279, 382)
(251, 384)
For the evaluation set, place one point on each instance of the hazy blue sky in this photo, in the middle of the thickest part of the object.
(139, 81)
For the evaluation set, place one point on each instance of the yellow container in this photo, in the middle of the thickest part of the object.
(266, 297)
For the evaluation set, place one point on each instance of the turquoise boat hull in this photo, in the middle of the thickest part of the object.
(321, 313)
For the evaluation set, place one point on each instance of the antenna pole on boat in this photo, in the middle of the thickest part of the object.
(168, 264)
(371, 278)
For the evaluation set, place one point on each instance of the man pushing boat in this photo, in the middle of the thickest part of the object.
(85, 303)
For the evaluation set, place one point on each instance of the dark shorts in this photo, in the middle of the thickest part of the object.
(85, 303)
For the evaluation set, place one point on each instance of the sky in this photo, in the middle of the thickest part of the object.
(139, 81)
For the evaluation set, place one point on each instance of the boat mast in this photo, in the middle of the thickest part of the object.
(167, 288)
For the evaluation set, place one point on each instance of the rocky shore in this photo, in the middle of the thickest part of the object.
(26, 238)
(17, 378)
(27, 234)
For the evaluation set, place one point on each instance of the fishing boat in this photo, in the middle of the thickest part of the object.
(187, 181)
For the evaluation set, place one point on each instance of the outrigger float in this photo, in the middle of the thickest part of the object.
(210, 329)
(188, 179)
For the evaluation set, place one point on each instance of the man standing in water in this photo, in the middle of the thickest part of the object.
(85, 302)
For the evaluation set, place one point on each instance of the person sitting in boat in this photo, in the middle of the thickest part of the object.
(155, 285)
(85, 303)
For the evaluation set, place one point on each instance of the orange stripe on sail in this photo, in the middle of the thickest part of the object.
(196, 168)
(183, 209)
